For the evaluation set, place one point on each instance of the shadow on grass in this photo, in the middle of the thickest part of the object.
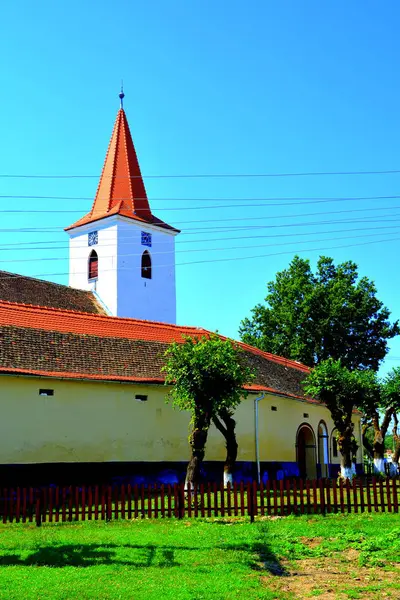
(258, 555)
(262, 557)
(89, 555)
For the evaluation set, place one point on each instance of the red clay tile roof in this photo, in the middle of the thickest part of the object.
(54, 343)
(121, 189)
(27, 290)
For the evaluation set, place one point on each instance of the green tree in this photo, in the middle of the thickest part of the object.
(207, 376)
(342, 391)
(396, 443)
(391, 399)
(378, 414)
(379, 411)
(331, 313)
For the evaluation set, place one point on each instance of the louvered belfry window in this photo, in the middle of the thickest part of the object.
(146, 265)
(93, 265)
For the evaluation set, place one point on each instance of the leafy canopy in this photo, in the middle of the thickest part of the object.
(341, 390)
(391, 390)
(331, 313)
(206, 374)
(383, 396)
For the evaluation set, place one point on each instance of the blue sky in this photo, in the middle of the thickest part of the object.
(211, 88)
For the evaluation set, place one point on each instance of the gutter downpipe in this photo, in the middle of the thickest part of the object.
(256, 401)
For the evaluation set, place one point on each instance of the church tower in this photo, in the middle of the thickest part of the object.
(120, 250)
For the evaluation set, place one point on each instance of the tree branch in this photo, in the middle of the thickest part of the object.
(386, 420)
(395, 424)
(220, 427)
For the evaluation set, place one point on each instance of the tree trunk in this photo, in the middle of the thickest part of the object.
(366, 443)
(346, 448)
(379, 440)
(396, 438)
(197, 441)
(228, 431)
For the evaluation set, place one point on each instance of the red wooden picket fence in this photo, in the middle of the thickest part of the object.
(279, 498)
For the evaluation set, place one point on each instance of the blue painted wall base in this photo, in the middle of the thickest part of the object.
(142, 472)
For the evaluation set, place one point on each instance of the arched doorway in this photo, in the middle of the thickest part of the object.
(323, 450)
(306, 447)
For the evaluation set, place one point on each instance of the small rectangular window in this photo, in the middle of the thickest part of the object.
(141, 398)
(46, 392)
(274, 408)
(306, 415)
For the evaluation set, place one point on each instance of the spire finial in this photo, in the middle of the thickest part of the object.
(122, 95)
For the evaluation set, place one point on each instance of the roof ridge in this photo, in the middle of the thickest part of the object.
(117, 129)
(90, 213)
(149, 325)
(286, 361)
(100, 316)
(41, 307)
(130, 182)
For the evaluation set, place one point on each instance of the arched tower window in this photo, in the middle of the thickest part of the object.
(146, 265)
(93, 271)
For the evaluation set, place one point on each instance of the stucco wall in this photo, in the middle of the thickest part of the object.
(96, 422)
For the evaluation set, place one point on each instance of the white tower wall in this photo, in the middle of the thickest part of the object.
(153, 299)
(120, 285)
(105, 286)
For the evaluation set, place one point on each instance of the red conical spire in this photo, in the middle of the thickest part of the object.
(121, 189)
(121, 185)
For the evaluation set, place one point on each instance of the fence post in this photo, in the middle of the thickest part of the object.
(38, 516)
(182, 501)
(250, 502)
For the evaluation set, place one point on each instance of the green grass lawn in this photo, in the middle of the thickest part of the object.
(338, 556)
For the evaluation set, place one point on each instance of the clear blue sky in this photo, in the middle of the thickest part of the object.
(211, 87)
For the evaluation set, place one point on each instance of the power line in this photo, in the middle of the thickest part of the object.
(11, 247)
(291, 252)
(200, 230)
(223, 259)
(258, 218)
(206, 176)
(291, 216)
(58, 258)
(289, 201)
(230, 219)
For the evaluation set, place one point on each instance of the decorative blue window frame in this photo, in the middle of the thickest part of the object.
(93, 238)
(146, 238)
